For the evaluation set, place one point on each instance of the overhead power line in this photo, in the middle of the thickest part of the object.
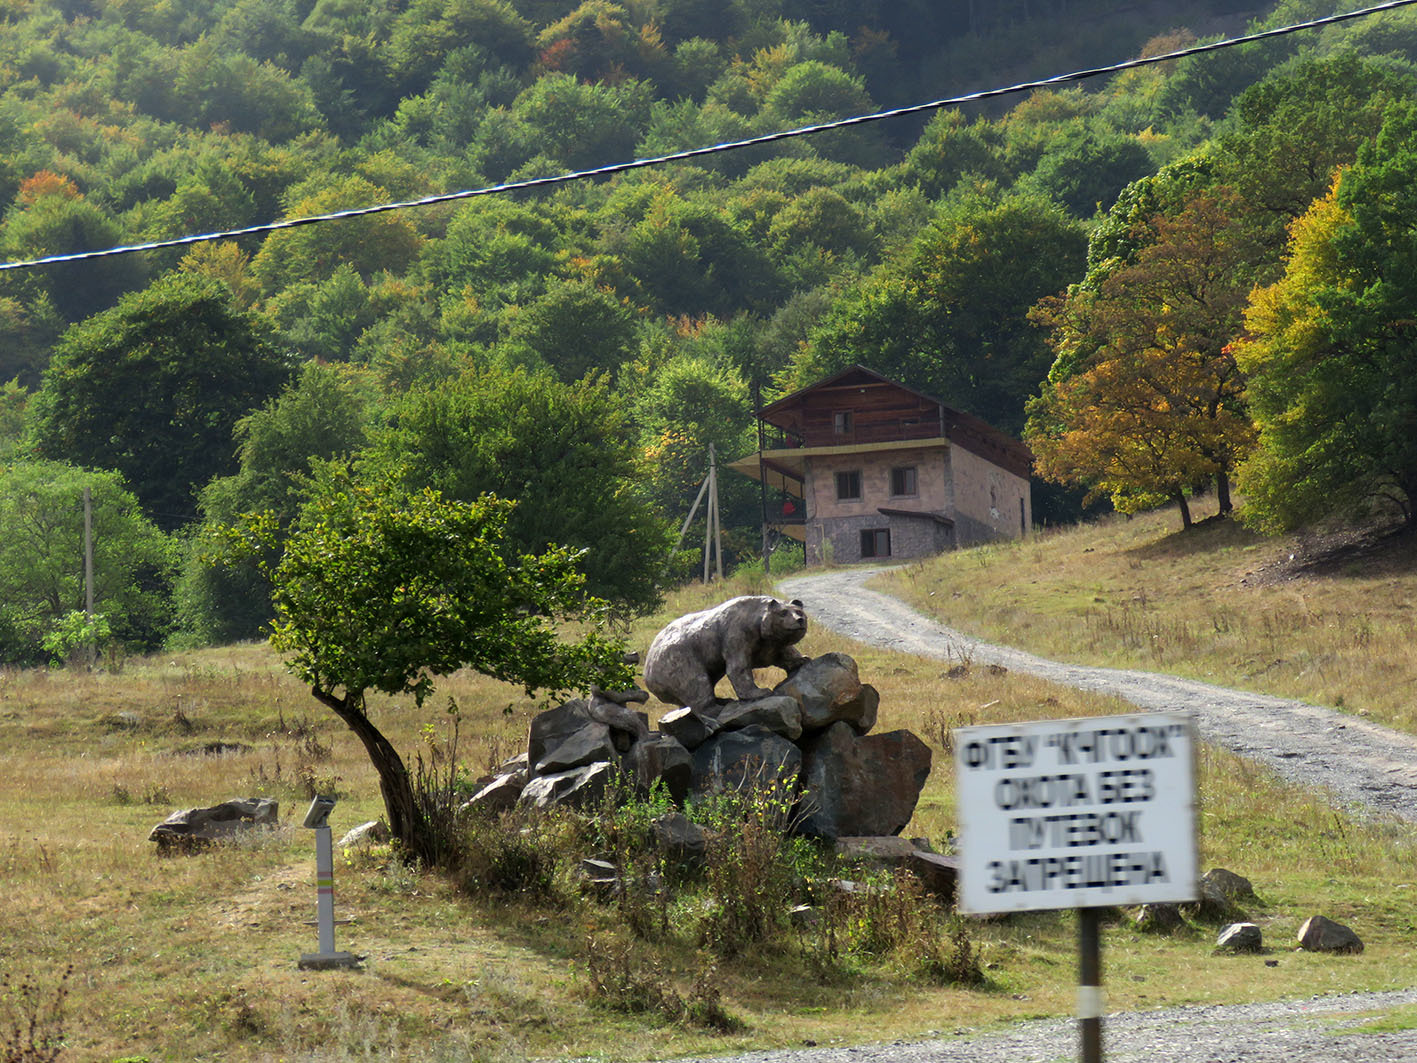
(713, 149)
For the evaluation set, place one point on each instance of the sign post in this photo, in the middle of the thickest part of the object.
(1081, 814)
(317, 819)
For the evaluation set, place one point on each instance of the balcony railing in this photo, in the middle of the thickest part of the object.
(875, 432)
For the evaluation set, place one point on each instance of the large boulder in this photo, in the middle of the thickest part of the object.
(681, 840)
(221, 822)
(779, 714)
(500, 794)
(860, 786)
(739, 760)
(691, 729)
(550, 728)
(585, 746)
(829, 690)
(659, 758)
(1321, 934)
(577, 788)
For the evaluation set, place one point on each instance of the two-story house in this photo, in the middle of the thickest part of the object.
(866, 468)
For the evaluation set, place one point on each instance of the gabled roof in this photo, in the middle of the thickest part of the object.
(962, 429)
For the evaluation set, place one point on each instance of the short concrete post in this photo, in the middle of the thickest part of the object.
(327, 957)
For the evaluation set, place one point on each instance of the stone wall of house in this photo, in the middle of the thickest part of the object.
(989, 502)
(909, 537)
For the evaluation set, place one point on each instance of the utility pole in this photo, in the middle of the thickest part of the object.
(713, 533)
(762, 478)
(88, 552)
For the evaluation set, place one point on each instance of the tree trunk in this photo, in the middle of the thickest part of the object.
(1180, 497)
(1222, 493)
(406, 822)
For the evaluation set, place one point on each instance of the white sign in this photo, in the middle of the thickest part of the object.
(1076, 813)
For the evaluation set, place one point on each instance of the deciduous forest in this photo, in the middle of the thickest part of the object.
(1190, 275)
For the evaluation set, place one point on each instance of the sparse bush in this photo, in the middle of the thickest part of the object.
(516, 853)
(623, 982)
(956, 964)
(752, 865)
(32, 1019)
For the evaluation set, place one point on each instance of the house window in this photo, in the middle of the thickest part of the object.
(848, 485)
(843, 422)
(876, 542)
(903, 481)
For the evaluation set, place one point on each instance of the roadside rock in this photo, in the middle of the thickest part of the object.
(1159, 918)
(221, 822)
(690, 728)
(1321, 934)
(779, 714)
(855, 786)
(372, 833)
(1240, 937)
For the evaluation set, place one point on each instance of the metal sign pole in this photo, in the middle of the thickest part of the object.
(1090, 985)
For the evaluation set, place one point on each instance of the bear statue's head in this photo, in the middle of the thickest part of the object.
(785, 622)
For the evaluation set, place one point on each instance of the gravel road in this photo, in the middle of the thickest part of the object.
(1365, 767)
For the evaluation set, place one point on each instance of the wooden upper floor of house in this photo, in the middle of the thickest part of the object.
(857, 407)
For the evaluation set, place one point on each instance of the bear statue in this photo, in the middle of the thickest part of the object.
(688, 658)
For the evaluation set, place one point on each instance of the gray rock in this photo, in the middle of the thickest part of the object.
(778, 713)
(1240, 937)
(938, 874)
(576, 788)
(1234, 888)
(829, 689)
(887, 851)
(590, 743)
(550, 728)
(1212, 904)
(660, 758)
(681, 840)
(221, 822)
(1159, 918)
(861, 785)
(740, 760)
(691, 729)
(372, 833)
(500, 794)
(1321, 934)
(626, 724)
(805, 917)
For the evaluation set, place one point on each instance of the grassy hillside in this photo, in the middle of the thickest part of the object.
(193, 957)
(1324, 618)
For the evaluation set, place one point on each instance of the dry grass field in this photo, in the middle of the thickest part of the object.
(194, 957)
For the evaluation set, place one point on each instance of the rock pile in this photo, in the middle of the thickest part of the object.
(813, 727)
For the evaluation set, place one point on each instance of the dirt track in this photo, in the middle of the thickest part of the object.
(1367, 768)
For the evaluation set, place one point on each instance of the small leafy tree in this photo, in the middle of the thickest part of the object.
(381, 590)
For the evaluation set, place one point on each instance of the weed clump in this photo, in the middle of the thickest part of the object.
(32, 1019)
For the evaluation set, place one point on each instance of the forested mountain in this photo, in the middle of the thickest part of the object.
(1076, 263)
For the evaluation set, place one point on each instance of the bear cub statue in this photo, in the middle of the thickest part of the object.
(688, 658)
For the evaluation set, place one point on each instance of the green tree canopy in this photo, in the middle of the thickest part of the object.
(565, 453)
(382, 590)
(323, 415)
(1331, 348)
(154, 387)
(952, 320)
(42, 552)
